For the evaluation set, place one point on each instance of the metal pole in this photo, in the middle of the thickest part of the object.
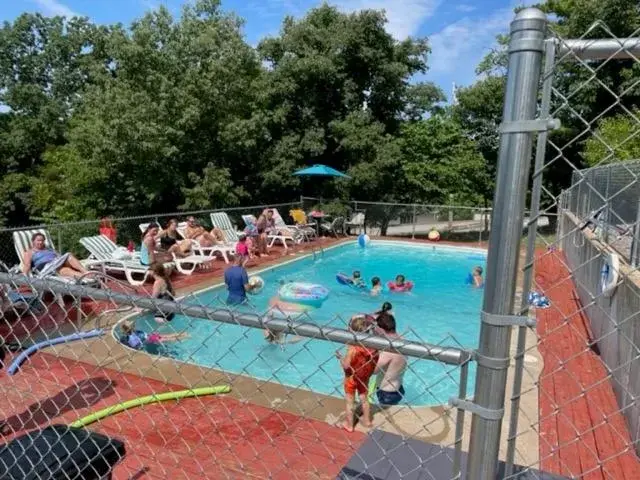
(413, 223)
(520, 101)
(444, 354)
(462, 393)
(635, 241)
(541, 146)
(606, 49)
(450, 211)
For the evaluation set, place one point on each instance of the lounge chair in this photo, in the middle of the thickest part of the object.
(299, 231)
(22, 243)
(104, 254)
(222, 221)
(278, 236)
(12, 300)
(334, 227)
(206, 251)
(357, 221)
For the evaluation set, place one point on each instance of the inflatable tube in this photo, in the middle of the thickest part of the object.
(303, 293)
(407, 287)
(19, 360)
(609, 274)
(469, 279)
(286, 310)
(154, 398)
(344, 279)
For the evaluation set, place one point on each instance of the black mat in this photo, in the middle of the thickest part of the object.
(60, 452)
(386, 456)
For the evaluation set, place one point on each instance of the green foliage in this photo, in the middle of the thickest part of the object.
(438, 161)
(617, 139)
(182, 113)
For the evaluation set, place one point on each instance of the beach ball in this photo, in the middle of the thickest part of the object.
(257, 284)
(434, 235)
(363, 240)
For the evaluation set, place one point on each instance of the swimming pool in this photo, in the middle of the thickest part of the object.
(441, 309)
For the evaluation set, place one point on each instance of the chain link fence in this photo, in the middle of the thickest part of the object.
(104, 379)
(608, 196)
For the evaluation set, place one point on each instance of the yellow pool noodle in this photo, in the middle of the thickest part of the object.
(154, 398)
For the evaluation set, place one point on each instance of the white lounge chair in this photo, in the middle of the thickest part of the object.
(22, 243)
(273, 237)
(298, 232)
(356, 221)
(206, 251)
(104, 254)
(222, 221)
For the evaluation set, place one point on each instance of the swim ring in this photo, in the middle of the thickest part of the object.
(303, 293)
(344, 279)
(469, 279)
(407, 287)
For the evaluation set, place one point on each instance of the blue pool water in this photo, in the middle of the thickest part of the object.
(441, 309)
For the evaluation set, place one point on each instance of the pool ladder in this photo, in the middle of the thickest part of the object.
(318, 252)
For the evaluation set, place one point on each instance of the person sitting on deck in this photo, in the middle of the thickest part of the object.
(44, 260)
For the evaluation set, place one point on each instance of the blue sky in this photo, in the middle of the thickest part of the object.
(460, 31)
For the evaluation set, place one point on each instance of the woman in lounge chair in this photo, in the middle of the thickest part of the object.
(264, 225)
(198, 233)
(148, 251)
(170, 237)
(43, 260)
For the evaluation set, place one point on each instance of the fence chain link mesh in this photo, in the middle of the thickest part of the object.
(583, 357)
(573, 380)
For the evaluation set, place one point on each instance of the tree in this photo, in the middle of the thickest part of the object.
(151, 133)
(438, 160)
(617, 139)
(45, 65)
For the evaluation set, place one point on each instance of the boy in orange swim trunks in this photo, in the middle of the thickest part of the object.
(358, 365)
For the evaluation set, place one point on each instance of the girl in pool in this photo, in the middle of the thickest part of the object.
(477, 277)
(358, 364)
(162, 289)
(137, 338)
(400, 285)
(376, 286)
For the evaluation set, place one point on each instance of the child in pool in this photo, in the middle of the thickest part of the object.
(162, 289)
(400, 284)
(358, 364)
(376, 286)
(356, 279)
(137, 338)
(477, 277)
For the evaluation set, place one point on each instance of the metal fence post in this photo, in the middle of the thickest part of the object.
(413, 223)
(520, 101)
(634, 257)
(450, 212)
(536, 190)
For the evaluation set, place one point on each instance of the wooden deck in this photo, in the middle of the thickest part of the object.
(582, 432)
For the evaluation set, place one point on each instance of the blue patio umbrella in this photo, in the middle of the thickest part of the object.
(320, 171)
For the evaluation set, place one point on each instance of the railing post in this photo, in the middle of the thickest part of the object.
(413, 223)
(450, 226)
(634, 258)
(520, 101)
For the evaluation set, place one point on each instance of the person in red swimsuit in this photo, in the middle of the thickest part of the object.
(358, 365)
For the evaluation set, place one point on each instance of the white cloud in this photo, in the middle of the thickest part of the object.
(404, 16)
(460, 46)
(465, 8)
(53, 7)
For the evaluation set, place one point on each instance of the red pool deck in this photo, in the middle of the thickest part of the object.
(205, 437)
(582, 432)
